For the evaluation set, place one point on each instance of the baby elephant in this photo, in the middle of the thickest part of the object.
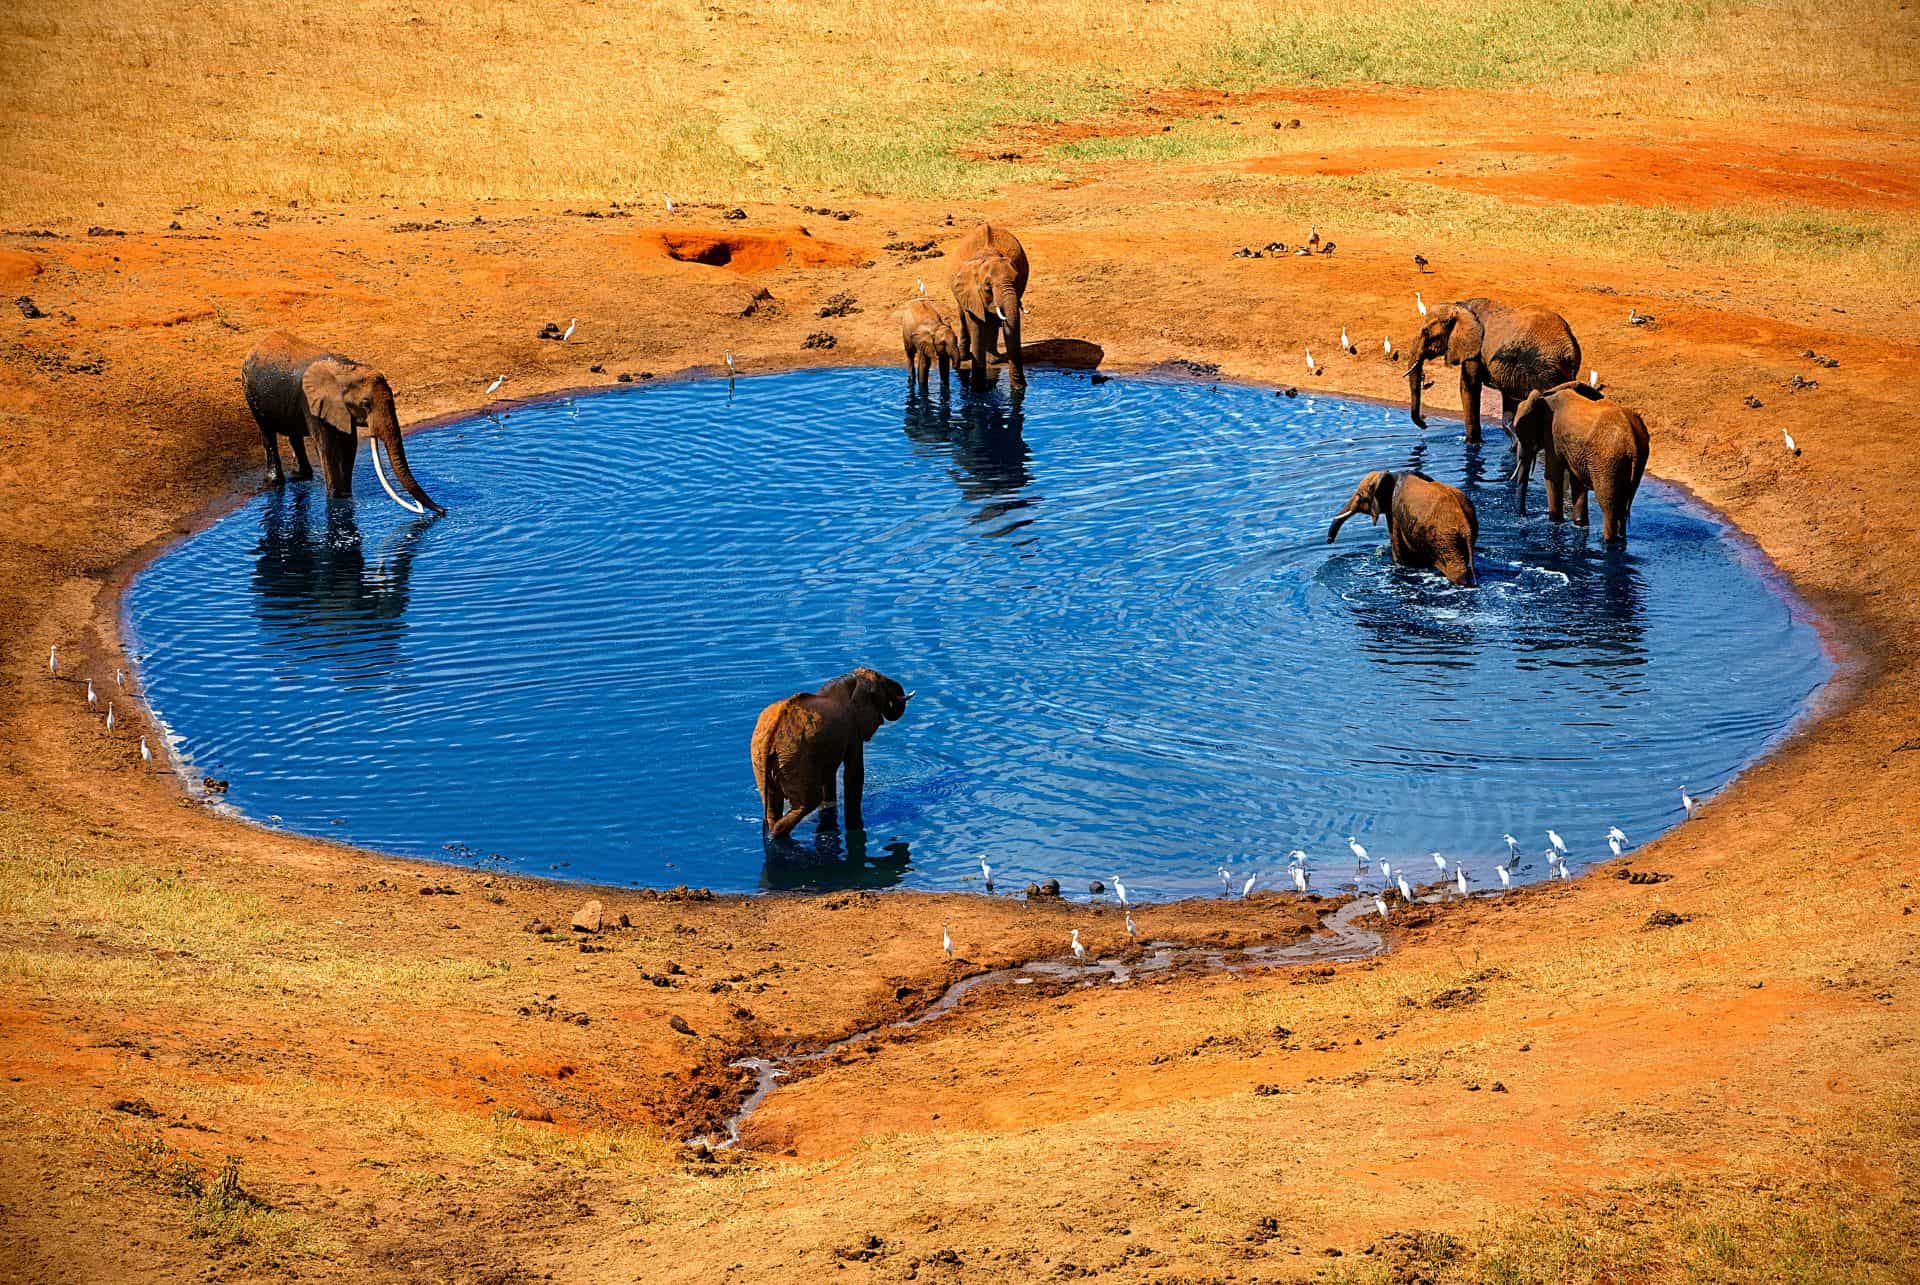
(927, 338)
(1590, 444)
(1429, 524)
(800, 743)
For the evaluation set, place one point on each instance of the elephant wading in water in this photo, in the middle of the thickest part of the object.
(1590, 444)
(304, 393)
(1516, 350)
(800, 744)
(928, 339)
(988, 285)
(1429, 524)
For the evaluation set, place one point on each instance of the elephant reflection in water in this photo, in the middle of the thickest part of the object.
(316, 592)
(986, 435)
(835, 859)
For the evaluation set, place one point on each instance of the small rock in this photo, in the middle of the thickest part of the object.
(819, 339)
(839, 305)
(679, 1024)
(1498, 1087)
(536, 925)
(1096, 887)
(735, 213)
(136, 1106)
(1753, 403)
(588, 918)
(1663, 919)
(27, 308)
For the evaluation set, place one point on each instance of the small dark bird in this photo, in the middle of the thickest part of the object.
(1420, 262)
(1313, 237)
(1327, 248)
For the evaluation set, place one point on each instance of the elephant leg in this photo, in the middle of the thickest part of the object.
(1017, 365)
(773, 803)
(829, 806)
(943, 371)
(982, 368)
(275, 477)
(1523, 474)
(806, 803)
(1579, 501)
(1556, 479)
(856, 785)
(302, 466)
(1470, 403)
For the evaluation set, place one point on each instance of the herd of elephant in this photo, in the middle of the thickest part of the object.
(803, 744)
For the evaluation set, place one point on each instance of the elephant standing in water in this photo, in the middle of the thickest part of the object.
(302, 392)
(1590, 444)
(1516, 350)
(989, 281)
(927, 339)
(1429, 524)
(801, 743)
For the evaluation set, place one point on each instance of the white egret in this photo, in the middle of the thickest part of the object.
(1593, 379)
(1439, 863)
(1246, 889)
(1358, 851)
(1419, 303)
(146, 755)
(986, 871)
(1792, 445)
(1299, 878)
(53, 660)
(1460, 877)
(1559, 845)
(1130, 931)
(1687, 802)
(1346, 344)
(668, 200)
(1226, 882)
(1312, 367)
(109, 716)
(1615, 832)
(1380, 905)
(1506, 879)
(568, 332)
(1613, 842)
(494, 387)
(120, 679)
(91, 698)
(1406, 893)
(1386, 348)
(1386, 868)
(946, 941)
(1119, 890)
(1513, 846)
(1563, 871)
(1079, 951)
(923, 286)
(729, 365)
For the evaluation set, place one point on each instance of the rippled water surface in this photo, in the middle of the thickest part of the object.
(1134, 650)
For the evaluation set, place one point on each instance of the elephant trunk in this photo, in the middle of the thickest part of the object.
(1416, 376)
(384, 427)
(1338, 522)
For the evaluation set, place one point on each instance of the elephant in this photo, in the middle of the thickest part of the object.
(927, 338)
(1590, 444)
(299, 391)
(800, 743)
(1429, 524)
(989, 282)
(1516, 350)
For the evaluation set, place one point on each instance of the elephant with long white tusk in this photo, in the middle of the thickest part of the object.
(1517, 350)
(989, 282)
(305, 393)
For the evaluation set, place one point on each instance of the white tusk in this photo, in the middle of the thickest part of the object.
(411, 506)
(909, 695)
(1000, 313)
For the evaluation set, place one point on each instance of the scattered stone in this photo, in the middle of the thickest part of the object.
(588, 918)
(819, 339)
(549, 331)
(1098, 378)
(1096, 887)
(1248, 252)
(1005, 156)
(1044, 891)
(1266, 1090)
(214, 785)
(1288, 391)
(1498, 1087)
(1198, 369)
(866, 1251)
(909, 247)
(546, 1009)
(597, 368)
(839, 305)
(438, 890)
(1819, 360)
(536, 925)
(1456, 997)
(679, 1024)
(27, 308)
(1799, 382)
(100, 231)
(735, 213)
(1664, 919)
(1753, 403)
(137, 1107)
(1641, 876)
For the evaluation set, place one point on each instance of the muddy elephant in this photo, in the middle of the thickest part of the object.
(1429, 524)
(801, 743)
(989, 281)
(927, 338)
(1516, 350)
(1589, 444)
(304, 393)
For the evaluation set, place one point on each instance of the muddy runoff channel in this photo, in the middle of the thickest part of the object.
(1341, 938)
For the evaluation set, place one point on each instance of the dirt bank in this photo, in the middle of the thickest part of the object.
(415, 1085)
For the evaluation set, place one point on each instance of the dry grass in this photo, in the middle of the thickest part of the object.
(113, 109)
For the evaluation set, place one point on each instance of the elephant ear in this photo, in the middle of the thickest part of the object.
(1382, 495)
(324, 387)
(1535, 411)
(1464, 343)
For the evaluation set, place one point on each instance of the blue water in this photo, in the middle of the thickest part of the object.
(1134, 650)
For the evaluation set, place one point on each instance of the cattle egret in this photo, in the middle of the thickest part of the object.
(1563, 871)
(1346, 344)
(1615, 832)
(494, 387)
(1614, 843)
(1386, 348)
(568, 332)
(146, 755)
(1246, 889)
(1380, 905)
(1312, 367)
(1460, 877)
(1513, 846)
(946, 941)
(986, 871)
(923, 286)
(1687, 802)
(1358, 851)
(1406, 893)
(1299, 878)
(1506, 879)
(1791, 444)
(668, 200)
(109, 716)
(1079, 951)
(1130, 931)
(1386, 869)
(120, 679)
(91, 698)
(1226, 882)
(1593, 379)
(1419, 303)
(1559, 845)
(1119, 890)
(729, 365)
(53, 660)
(1439, 862)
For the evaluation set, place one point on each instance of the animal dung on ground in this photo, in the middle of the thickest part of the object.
(679, 1024)
(819, 339)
